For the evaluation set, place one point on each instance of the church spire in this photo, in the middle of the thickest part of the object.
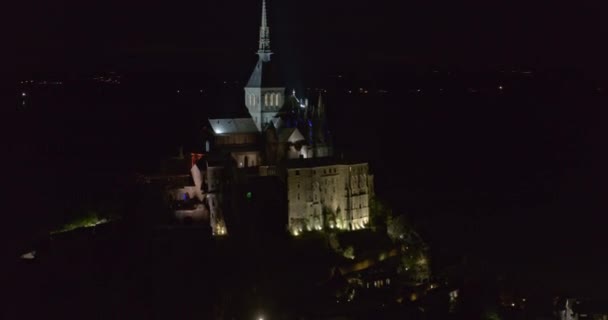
(264, 47)
(320, 122)
(320, 107)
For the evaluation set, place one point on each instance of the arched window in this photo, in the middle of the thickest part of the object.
(266, 98)
(276, 99)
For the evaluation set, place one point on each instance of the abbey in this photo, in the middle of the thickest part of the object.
(284, 137)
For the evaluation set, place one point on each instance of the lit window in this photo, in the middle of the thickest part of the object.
(266, 98)
(276, 99)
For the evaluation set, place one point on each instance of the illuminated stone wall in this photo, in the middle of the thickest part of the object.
(263, 104)
(332, 196)
(247, 159)
(215, 176)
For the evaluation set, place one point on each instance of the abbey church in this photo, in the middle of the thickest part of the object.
(284, 137)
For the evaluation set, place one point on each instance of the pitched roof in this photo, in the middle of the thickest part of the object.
(285, 133)
(290, 135)
(233, 125)
(265, 75)
(290, 107)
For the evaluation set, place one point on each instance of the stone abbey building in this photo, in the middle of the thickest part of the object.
(282, 137)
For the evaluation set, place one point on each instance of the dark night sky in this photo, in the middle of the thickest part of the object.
(197, 35)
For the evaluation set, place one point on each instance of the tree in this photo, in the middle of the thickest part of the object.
(399, 229)
(414, 263)
(349, 252)
(379, 213)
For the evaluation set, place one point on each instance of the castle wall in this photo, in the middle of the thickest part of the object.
(332, 196)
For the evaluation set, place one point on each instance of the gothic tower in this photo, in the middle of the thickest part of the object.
(264, 92)
(320, 123)
(321, 139)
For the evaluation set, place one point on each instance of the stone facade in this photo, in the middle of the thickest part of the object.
(328, 196)
(283, 139)
(263, 104)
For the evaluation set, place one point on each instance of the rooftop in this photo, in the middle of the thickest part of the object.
(290, 135)
(233, 125)
(265, 75)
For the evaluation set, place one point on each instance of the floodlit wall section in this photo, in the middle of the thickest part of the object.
(247, 159)
(214, 199)
(332, 196)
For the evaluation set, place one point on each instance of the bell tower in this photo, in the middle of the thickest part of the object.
(264, 92)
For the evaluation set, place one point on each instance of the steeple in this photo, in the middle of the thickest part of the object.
(319, 122)
(265, 90)
(264, 46)
(320, 107)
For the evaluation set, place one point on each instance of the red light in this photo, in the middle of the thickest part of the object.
(195, 157)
